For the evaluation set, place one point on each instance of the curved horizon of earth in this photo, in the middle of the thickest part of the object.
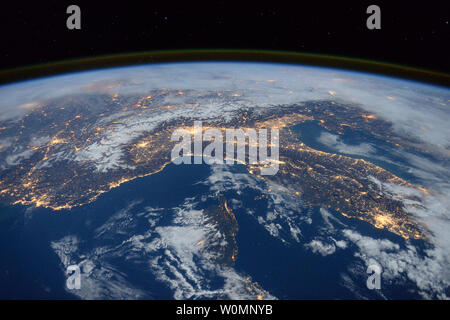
(86, 179)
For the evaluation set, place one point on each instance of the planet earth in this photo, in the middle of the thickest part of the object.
(358, 209)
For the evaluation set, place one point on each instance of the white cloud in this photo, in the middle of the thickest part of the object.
(428, 272)
(321, 247)
(99, 279)
(335, 142)
(181, 254)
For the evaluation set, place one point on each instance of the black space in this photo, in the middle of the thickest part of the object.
(413, 33)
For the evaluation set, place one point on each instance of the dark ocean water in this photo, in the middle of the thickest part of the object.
(29, 267)
(310, 131)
